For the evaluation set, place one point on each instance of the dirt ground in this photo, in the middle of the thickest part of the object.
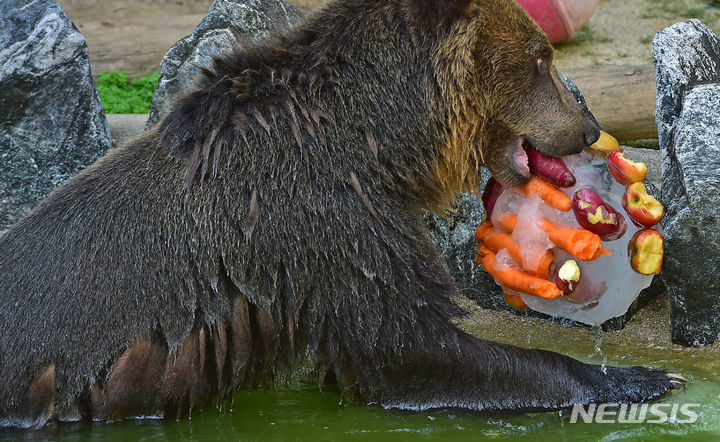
(620, 31)
(133, 35)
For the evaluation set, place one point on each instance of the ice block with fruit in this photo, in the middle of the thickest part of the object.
(579, 240)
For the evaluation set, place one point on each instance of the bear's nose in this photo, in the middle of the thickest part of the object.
(592, 134)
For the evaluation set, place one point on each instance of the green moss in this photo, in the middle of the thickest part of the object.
(120, 96)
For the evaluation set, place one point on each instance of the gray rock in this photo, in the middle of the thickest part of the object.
(251, 20)
(52, 123)
(454, 235)
(687, 61)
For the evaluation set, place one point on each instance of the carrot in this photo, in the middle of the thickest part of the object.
(497, 240)
(580, 243)
(552, 196)
(517, 279)
(509, 222)
(482, 231)
(482, 250)
(515, 302)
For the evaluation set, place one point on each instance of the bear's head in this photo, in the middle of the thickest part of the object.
(494, 68)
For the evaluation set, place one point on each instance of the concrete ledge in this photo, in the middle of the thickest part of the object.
(651, 157)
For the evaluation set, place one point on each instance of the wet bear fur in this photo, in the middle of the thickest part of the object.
(272, 223)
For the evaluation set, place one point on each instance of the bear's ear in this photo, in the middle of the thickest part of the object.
(438, 15)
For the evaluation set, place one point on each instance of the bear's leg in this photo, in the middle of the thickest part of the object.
(483, 375)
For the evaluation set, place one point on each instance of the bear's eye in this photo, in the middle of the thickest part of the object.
(542, 67)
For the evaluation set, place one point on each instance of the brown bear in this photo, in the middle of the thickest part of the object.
(271, 226)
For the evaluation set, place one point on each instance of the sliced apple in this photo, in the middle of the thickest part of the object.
(567, 277)
(642, 207)
(646, 250)
(605, 144)
(625, 170)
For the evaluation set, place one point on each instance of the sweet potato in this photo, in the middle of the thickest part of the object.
(568, 276)
(551, 169)
(492, 192)
(595, 215)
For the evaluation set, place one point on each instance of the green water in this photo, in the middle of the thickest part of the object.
(313, 415)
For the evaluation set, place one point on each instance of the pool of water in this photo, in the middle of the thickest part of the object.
(313, 415)
(320, 415)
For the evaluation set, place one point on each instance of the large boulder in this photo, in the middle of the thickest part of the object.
(687, 61)
(52, 123)
(251, 20)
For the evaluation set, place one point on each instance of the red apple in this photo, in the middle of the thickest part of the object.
(567, 277)
(646, 250)
(624, 170)
(642, 207)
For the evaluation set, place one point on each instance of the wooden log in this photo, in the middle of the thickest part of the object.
(124, 127)
(622, 98)
(133, 35)
(84, 11)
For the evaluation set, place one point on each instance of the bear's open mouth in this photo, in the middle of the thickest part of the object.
(516, 157)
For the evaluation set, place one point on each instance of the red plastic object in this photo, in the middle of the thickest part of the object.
(560, 19)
